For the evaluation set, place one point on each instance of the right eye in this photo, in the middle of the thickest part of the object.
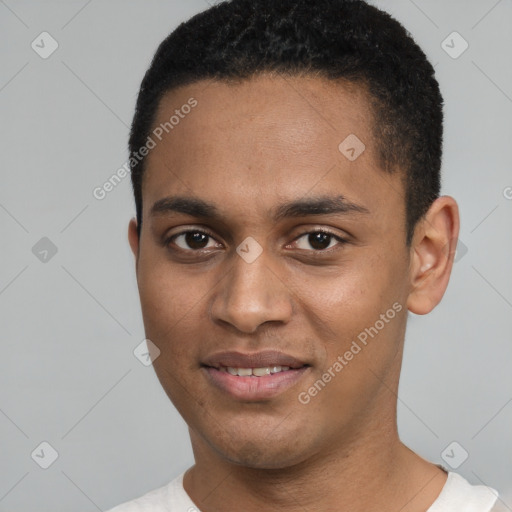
(191, 240)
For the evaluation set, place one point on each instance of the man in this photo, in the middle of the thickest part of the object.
(286, 169)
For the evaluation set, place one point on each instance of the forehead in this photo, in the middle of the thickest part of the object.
(266, 138)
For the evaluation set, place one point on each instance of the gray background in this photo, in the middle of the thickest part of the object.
(70, 324)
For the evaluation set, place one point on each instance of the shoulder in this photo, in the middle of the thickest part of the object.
(459, 495)
(169, 498)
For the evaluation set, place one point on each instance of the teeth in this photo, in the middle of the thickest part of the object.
(257, 372)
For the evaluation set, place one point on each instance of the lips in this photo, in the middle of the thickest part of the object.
(266, 358)
(253, 377)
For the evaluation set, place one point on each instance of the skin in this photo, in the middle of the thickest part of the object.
(247, 148)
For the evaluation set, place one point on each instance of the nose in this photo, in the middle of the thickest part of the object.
(252, 294)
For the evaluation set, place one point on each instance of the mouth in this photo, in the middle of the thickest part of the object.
(254, 377)
(255, 372)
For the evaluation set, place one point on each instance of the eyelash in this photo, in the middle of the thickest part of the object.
(342, 241)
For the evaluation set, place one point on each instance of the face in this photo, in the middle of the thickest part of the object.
(265, 244)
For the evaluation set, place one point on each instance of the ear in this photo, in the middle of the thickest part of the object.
(432, 254)
(133, 238)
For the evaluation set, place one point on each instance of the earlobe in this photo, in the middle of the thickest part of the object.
(432, 254)
(133, 238)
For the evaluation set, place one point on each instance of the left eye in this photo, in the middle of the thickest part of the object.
(318, 240)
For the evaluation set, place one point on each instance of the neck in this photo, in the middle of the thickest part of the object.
(368, 470)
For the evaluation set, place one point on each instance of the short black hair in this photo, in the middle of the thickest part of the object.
(347, 40)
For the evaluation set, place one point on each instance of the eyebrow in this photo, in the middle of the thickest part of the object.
(323, 205)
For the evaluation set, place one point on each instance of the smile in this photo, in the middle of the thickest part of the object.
(256, 372)
(254, 384)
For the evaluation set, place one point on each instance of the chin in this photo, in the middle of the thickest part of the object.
(261, 451)
(258, 457)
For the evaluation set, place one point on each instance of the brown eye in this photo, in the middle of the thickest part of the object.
(191, 240)
(318, 240)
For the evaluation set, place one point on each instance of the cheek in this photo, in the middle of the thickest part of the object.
(171, 303)
(358, 313)
(170, 300)
(348, 296)
(361, 350)
(167, 291)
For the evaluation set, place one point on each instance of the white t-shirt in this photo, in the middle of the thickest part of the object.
(457, 495)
